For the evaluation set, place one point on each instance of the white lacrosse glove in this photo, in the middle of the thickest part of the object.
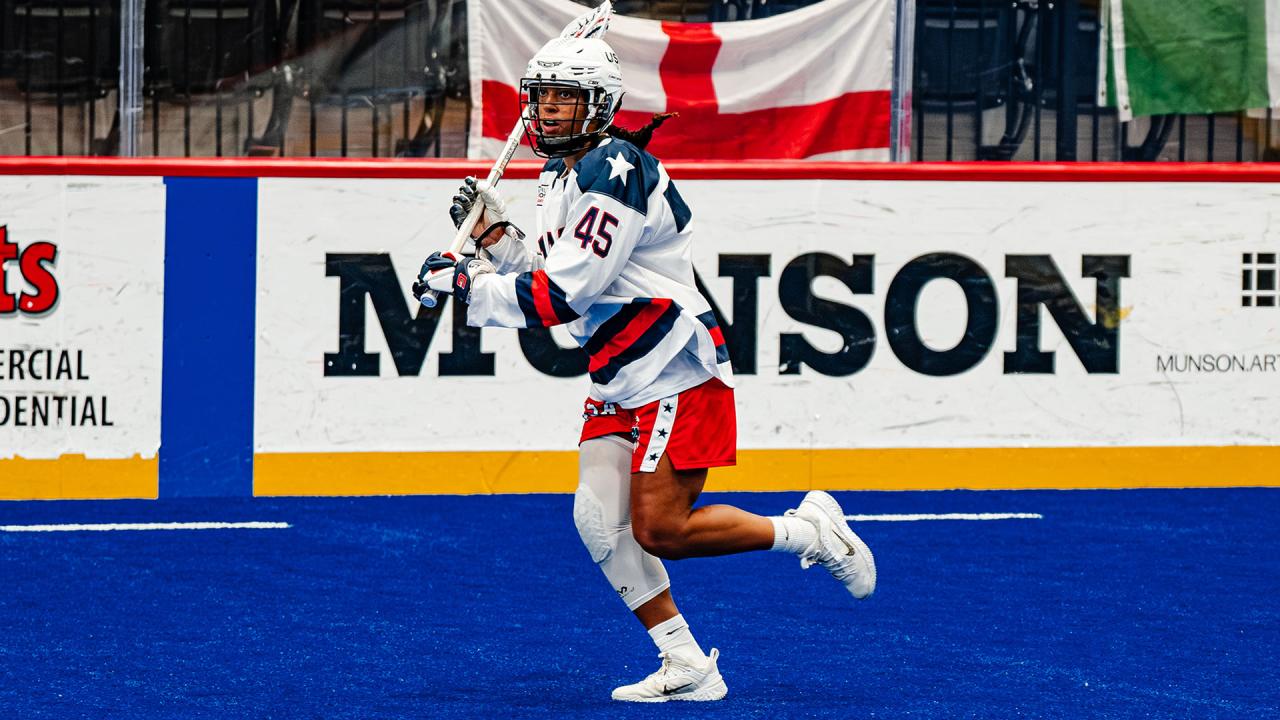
(495, 209)
(449, 274)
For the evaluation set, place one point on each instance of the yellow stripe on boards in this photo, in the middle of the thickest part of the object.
(74, 477)
(467, 473)
(1046, 468)
(445, 473)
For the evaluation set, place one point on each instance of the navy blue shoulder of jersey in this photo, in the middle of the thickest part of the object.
(621, 171)
(554, 165)
(679, 209)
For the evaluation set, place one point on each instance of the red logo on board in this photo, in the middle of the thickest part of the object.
(35, 265)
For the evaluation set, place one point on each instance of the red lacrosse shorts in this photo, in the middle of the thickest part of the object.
(697, 428)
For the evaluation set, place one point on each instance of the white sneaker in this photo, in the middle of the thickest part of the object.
(677, 680)
(837, 548)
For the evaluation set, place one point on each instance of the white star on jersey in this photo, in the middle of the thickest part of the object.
(620, 168)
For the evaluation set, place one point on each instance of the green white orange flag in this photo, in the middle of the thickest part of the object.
(1189, 56)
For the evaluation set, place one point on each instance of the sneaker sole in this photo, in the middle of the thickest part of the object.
(832, 510)
(711, 693)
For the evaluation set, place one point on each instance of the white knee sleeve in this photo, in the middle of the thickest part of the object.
(602, 513)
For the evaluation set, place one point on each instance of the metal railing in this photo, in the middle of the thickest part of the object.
(993, 80)
(229, 77)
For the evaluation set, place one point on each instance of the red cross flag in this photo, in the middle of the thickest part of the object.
(813, 83)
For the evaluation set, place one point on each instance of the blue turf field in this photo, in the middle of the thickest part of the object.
(1118, 604)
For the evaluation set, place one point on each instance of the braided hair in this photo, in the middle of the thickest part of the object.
(640, 138)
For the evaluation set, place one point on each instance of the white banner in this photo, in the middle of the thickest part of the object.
(81, 316)
(861, 315)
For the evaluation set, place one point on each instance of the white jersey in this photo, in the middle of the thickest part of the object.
(613, 261)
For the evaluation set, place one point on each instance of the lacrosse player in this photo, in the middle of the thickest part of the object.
(612, 260)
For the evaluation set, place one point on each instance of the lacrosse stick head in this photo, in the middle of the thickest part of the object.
(591, 25)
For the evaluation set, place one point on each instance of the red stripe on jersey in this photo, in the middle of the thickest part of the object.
(542, 299)
(625, 339)
(717, 337)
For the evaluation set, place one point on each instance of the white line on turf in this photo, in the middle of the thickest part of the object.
(945, 516)
(148, 526)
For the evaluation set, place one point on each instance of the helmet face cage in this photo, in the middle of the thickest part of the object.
(599, 110)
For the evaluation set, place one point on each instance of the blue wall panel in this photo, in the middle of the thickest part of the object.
(206, 427)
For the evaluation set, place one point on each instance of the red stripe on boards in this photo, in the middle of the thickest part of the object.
(625, 339)
(542, 298)
(452, 169)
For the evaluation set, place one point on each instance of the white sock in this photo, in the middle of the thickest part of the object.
(792, 534)
(673, 637)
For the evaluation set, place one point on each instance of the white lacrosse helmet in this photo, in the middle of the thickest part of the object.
(585, 64)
